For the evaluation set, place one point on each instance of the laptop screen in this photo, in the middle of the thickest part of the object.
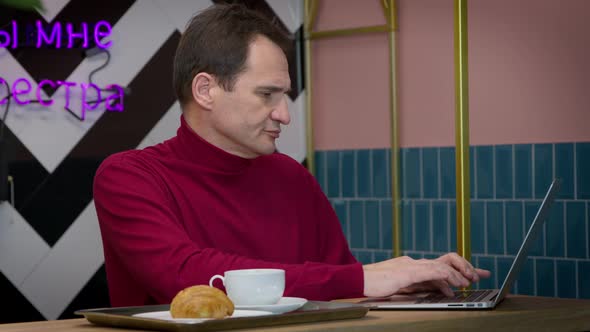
(529, 239)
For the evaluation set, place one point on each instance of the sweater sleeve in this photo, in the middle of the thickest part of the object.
(141, 231)
(334, 247)
(333, 244)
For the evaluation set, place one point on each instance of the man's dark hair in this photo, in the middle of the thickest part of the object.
(216, 41)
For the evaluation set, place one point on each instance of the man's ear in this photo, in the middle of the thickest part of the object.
(201, 89)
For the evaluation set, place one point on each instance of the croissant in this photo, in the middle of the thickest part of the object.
(201, 301)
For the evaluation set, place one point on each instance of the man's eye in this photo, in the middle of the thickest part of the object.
(266, 94)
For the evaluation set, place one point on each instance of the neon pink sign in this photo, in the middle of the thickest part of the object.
(21, 88)
(61, 35)
(58, 34)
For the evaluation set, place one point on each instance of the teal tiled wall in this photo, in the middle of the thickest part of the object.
(507, 185)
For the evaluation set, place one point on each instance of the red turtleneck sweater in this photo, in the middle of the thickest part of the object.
(175, 214)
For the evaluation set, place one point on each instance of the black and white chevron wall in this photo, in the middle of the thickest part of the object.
(51, 256)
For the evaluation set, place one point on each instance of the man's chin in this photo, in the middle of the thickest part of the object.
(260, 151)
(268, 150)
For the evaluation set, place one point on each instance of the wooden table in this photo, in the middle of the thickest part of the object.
(514, 313)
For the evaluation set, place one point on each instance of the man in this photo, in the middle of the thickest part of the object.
(218, 196)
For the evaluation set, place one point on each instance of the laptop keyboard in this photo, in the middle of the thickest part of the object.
(460, 296)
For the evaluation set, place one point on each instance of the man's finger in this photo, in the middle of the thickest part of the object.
(472, 271)
(462, 265)
(444, 287)
(461, 280)
(449, 274)
(483, 273)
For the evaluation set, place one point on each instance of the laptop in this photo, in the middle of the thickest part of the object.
(474, 299)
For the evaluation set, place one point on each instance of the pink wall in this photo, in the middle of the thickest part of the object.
(527, 63)
(350, 78)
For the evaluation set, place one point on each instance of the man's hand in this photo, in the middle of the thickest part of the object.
(406, 275)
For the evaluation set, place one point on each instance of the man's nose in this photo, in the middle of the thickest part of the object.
(281, 112)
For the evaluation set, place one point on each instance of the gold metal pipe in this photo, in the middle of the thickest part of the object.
(312, 13)
(310, 9)
(348, 32)
(389, 10)
(462, 130)
(389, 6)
(385, 8)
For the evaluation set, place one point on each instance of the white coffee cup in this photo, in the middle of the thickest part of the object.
(253, 286)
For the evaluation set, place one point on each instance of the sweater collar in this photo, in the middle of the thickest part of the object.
(194, 148)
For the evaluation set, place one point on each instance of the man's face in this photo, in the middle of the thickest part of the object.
(247, 120)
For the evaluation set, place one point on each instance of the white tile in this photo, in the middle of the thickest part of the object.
(21, 248)
(289, 11)
(136, 37)
(50, 132)
(52, 8)
(167, 126)
(180, 12)
(21, 116)
(70, 264)
(147, 141)
(51, 135)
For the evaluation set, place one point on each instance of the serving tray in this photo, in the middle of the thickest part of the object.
(312, 311)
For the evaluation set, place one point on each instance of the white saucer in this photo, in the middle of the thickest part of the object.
(165, 315)
(285, 304)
